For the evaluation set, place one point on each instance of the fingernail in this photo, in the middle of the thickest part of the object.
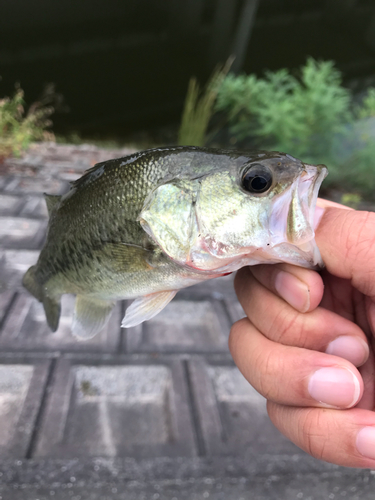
(366, 442)
(336, 387)
(353, 349)
(293, 291)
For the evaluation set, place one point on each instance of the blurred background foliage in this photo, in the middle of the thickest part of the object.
(199, 108)
(138, 73)
(311, 116)
(18, 127)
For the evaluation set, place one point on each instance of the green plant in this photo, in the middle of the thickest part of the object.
(353, 164)
(357, 171)
(17, 128)
(310, 116)
(367, 109)
(298, 115)
(351, 200)
(198, 108)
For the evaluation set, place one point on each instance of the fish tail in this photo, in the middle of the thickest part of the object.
(52, 307)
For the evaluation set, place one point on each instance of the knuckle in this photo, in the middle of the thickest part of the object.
(236, 333)
(361, 234)
(323, 433)
(269, 368)
(242, 282)
(287, 326)
(359, 241)
(263, 363)
(265, 274)
(313, 433)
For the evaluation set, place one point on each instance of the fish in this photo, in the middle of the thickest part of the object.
(146, 225)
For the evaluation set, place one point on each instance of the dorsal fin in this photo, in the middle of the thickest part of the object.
(98, 169)
(51, 201)
(90, 175)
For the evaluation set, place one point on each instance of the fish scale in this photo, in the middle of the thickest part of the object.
(147, 225)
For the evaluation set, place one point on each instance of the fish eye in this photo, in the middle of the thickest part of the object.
(257, 179)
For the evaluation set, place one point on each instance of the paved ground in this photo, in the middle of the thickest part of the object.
(158, 411)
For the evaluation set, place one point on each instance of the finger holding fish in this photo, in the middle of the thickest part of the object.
(318, 329)
(290, 375)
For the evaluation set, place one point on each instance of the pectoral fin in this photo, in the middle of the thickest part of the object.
(168, 216)
(146, 307)
(90, 316)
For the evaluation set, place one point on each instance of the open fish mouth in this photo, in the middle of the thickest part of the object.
(292, 225)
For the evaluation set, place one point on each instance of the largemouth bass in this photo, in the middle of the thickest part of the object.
(146, 225)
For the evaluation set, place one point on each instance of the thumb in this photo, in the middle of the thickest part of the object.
(346, 240)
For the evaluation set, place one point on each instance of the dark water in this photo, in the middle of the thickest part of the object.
(125, 66)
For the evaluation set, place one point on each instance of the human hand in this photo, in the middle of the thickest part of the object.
(307, 344)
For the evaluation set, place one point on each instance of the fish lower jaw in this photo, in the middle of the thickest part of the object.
(213, 265)
(206, 262)
(306, 255)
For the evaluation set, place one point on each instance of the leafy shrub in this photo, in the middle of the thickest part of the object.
(367, 110)
(17, 128)
(300, 116)
(353, 166)
(309, 116)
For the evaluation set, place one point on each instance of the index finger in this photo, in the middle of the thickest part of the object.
(322, 203)
(346, 241)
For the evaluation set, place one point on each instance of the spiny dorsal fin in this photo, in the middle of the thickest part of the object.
(51, 201)
(90, 174)
(146, 307)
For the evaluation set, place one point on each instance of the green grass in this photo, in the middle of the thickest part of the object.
(199, 107)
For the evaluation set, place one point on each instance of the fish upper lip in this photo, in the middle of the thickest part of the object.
(302, 205)
(317, 175)
(292, 224)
